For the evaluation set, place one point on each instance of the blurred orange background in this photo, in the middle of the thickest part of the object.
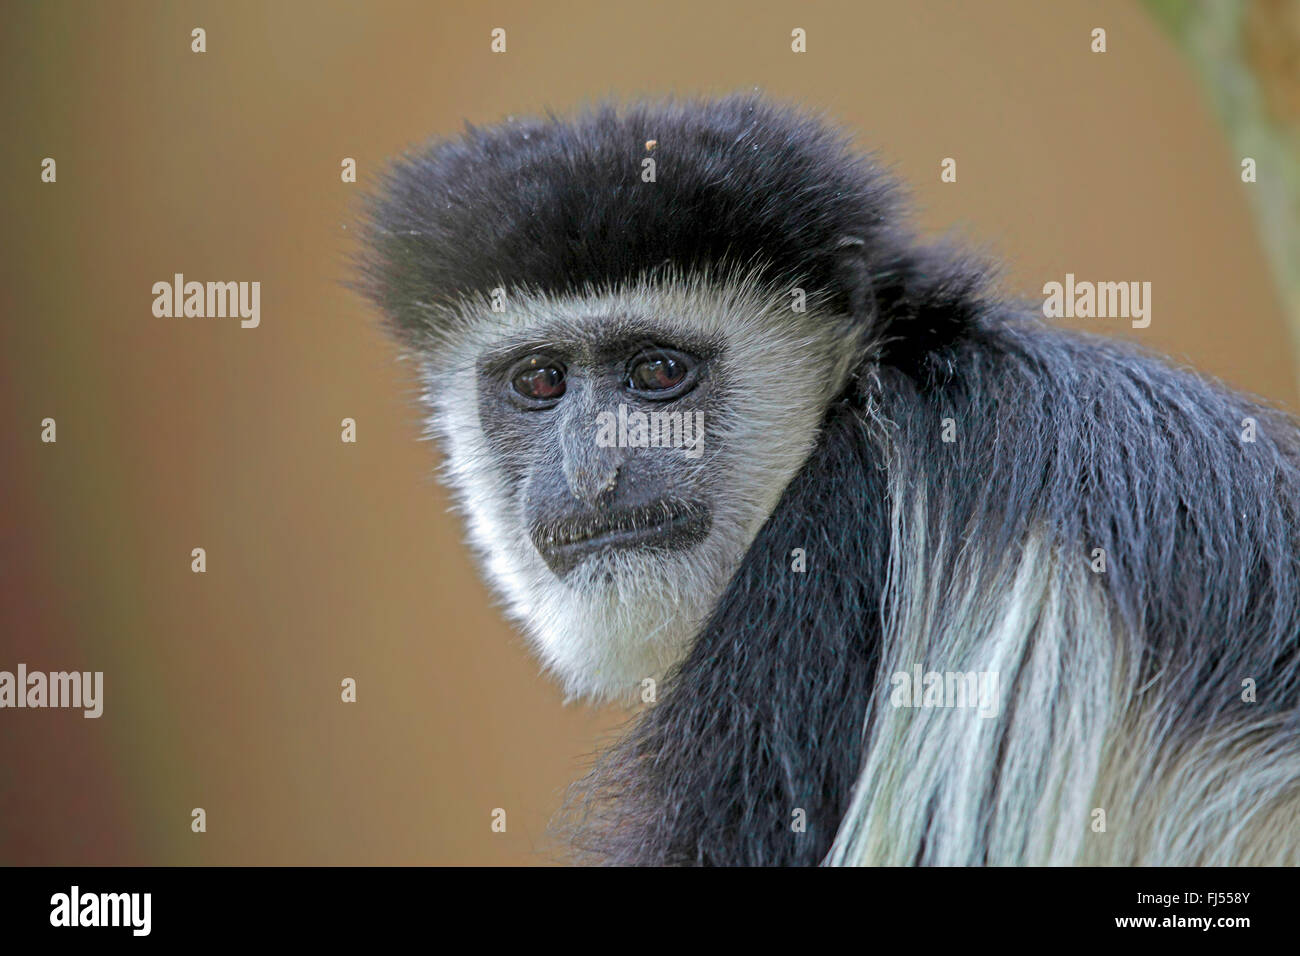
(328, 560)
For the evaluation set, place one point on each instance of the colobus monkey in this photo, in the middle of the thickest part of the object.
(908, 496)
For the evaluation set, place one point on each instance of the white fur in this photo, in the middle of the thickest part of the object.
(1075, 734)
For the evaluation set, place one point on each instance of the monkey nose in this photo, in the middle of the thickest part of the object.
(591, 483)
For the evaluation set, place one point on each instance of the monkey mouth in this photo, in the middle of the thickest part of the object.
(659, 526)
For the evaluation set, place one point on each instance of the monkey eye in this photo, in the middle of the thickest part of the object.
(539, 379)
(662, 373)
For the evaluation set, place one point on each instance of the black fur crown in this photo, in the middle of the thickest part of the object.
(558, 205)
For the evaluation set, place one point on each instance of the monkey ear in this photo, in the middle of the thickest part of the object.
(916, 299)
(854, 277)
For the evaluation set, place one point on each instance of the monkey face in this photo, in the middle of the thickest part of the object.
(601, 434)
(617, 452)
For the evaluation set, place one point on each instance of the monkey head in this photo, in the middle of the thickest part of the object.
(626, 353)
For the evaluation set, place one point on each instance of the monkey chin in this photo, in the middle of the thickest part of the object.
(624, 616)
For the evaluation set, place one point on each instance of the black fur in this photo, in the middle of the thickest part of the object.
(559, 206)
